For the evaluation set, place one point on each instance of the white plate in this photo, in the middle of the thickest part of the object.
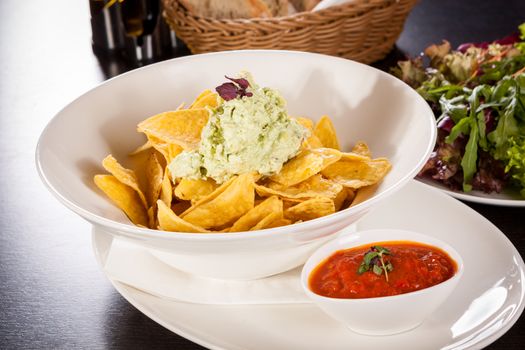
(487, 302)
(505, 198)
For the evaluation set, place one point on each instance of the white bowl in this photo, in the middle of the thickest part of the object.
(382, 315)
(364, 104)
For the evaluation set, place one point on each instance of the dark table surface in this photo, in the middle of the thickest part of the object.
(52, 293)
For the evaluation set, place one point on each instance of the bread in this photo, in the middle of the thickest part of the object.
(229, 9)
(277, 7)
(304, 5)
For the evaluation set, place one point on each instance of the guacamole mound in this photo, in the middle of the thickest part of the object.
(251, 132)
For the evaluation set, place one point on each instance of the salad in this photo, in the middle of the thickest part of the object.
(477, 92)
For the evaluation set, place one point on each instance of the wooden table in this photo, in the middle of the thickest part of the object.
(52, 293)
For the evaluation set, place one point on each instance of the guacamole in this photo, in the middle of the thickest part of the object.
(248, 132)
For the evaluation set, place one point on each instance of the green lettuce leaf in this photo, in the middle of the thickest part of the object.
(516, 161)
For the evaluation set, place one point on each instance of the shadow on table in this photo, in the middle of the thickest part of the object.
(390, 60)
(127, 328)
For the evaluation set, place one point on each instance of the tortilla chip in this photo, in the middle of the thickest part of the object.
(267, 221)
(154, 176)
(180, 207)
(325, 132)
(362, 148)
(306, 122)
(350, 195)
(290, 202)
(311, 209)
(259, 212)
(145, 146)
(234, 201)
(206, 199)
(357, 173)
(172, 150)
(125, 197)
(340, 198)
(168, 150)
(311, 142)
(305, 164)
(126, 176)
(315, 186)
(152, 216)
(279, 222)
(207, 98)
(354, 156)
(182, 127)
(166, 189)
(193, 190)
(169, 221)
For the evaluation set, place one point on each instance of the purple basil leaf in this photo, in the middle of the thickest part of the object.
(446, 124)
(490, 119)
(243, 93)
(483, 45)
(509, 39)
(491, 176)
(464, 47)
(228, 91)
(243, 83)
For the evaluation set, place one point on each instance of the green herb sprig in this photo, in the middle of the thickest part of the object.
(374, 260)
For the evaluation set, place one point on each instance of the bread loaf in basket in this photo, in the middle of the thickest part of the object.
(362, 30)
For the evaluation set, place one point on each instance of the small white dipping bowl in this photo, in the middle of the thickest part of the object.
(383, 315)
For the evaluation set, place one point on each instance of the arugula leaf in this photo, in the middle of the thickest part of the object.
(461, 128)
(501, 89)
(482, 127)
(473, 98)
(469, 160)
(506, 128)
(446, 89)
(454, 107)
(492, 72)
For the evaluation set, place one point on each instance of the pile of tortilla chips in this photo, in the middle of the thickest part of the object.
(319, 181)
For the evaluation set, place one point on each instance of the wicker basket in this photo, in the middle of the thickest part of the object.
(363, 30)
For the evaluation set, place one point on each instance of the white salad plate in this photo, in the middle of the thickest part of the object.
(506, 198)
(487, 302)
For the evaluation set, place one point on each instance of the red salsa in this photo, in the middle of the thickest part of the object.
(413, 266)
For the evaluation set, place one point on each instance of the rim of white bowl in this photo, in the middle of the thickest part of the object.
(424, 239)
(168, 235)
